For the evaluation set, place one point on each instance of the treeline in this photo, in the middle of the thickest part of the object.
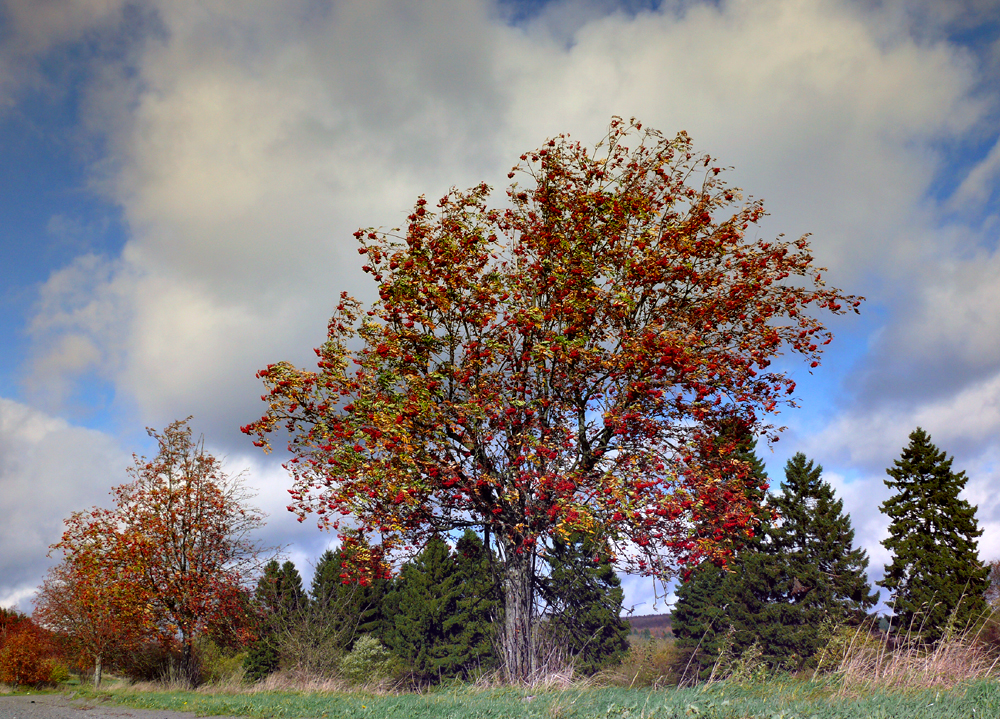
(797, 591)
(436, 619)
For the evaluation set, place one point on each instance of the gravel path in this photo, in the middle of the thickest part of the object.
(60, 706)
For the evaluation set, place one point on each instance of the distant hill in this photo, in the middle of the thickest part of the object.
(657, 624)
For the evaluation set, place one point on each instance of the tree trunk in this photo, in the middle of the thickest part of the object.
(517, 634)
(97, 671)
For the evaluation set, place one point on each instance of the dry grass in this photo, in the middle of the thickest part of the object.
(871, 662)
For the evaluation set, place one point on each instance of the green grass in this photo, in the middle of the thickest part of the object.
(776, 699)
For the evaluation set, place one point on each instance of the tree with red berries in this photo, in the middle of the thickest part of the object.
(94, 600)
(176, 552)
(560, 367)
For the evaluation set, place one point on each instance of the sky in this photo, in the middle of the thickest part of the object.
(179, 184)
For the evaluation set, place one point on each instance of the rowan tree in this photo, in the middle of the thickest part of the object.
(94, 599)
(935, 575)
(178, 541)
(556, 366)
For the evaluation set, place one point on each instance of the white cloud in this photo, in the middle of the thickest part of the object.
(48, 469)
(246, 147)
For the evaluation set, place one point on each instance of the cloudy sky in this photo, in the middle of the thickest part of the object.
(180, 182)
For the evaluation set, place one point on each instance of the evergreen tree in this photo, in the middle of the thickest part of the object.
(935, 571)
(480, 606)
(821, 579)
(342, 607)
(423, 604)
(584, 598)
(718, 607)
(283, 603)
(442, 608)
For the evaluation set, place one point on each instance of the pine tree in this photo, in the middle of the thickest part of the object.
(935, 575)
(584, 598)
(821, 579)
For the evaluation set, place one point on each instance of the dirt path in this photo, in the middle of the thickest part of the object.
(60, 706)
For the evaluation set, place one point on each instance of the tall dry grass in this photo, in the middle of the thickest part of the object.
(901, 662)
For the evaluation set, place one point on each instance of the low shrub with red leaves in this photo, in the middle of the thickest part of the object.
(23, 658)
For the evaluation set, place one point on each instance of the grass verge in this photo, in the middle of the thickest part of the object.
(775, 699)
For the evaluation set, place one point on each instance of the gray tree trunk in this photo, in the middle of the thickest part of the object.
(97, 671)
(518, 642)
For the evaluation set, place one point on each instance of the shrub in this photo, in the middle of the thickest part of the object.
(22, 660)
(218, 664)
(369, 661)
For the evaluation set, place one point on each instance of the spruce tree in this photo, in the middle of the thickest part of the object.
(479, 608)
(584, 598)
(821, 579)
(342, 608)
(718, 607)
(442, 610)
(283, 603)
(423, 605)
(935, 575)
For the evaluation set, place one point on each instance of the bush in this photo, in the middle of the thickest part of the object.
(22, 660)
(150, 662)
(218, 664)
(649, 662)
(369, 661)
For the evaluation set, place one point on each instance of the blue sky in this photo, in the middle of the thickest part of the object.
(179, 183)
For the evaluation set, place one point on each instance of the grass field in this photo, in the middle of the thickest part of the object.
(775, 699)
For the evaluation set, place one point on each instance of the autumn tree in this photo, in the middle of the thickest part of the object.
(94, 598)
(556, 366)
(935, 575)
(178, 541)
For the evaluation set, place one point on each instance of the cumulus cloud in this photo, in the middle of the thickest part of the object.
(48, 469)
(245, 147)
(245, 143)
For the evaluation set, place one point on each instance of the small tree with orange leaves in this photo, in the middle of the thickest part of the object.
(175, 556)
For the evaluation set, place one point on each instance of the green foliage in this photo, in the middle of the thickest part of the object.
(441, 606)
(821, 578)
(343, 606)
(261, 659)
(700, 620)
(584, 598)
(369, 661)
(935, 577)
(217, 664)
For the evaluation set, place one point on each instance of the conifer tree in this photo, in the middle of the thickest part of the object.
(343, 607)
(423, 606)
(718, 607)
(821, 578)
(584, 598)
(283, 603)
(479, 609)
(935, 575)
